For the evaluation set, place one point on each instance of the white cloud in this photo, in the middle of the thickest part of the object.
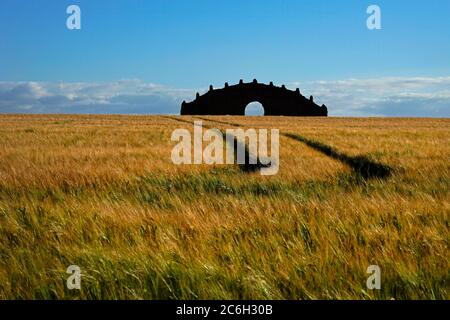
(125, 96)
(390, 96)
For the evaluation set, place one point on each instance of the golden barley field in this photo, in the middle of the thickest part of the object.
(102, 193)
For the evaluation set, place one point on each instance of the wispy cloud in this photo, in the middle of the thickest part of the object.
(415, 96)
(391, 96)
(125, 96)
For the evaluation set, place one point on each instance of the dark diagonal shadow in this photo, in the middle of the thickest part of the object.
(219, 121)
(251, 164)
(362, 165)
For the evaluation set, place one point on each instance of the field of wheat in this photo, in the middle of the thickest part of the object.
(102, 193)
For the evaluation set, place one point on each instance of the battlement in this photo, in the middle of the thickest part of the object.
(233, 99)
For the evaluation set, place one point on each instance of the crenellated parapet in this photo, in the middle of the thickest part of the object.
(233, 99)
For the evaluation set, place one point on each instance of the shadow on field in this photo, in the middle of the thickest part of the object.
(252, 163)
(362, 165)
(221, 122)
(247, 167)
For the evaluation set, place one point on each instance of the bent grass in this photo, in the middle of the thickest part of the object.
(101, 192)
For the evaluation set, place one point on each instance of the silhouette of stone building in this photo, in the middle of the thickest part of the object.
(232, 100)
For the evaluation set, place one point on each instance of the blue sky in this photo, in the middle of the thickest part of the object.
(132, 56)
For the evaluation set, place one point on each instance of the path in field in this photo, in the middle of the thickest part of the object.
(251, 164)
(362, 165)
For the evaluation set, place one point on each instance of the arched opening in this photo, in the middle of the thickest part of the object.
(254, 109)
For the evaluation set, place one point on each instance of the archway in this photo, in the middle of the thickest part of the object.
(233, 100)
(254, 109)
